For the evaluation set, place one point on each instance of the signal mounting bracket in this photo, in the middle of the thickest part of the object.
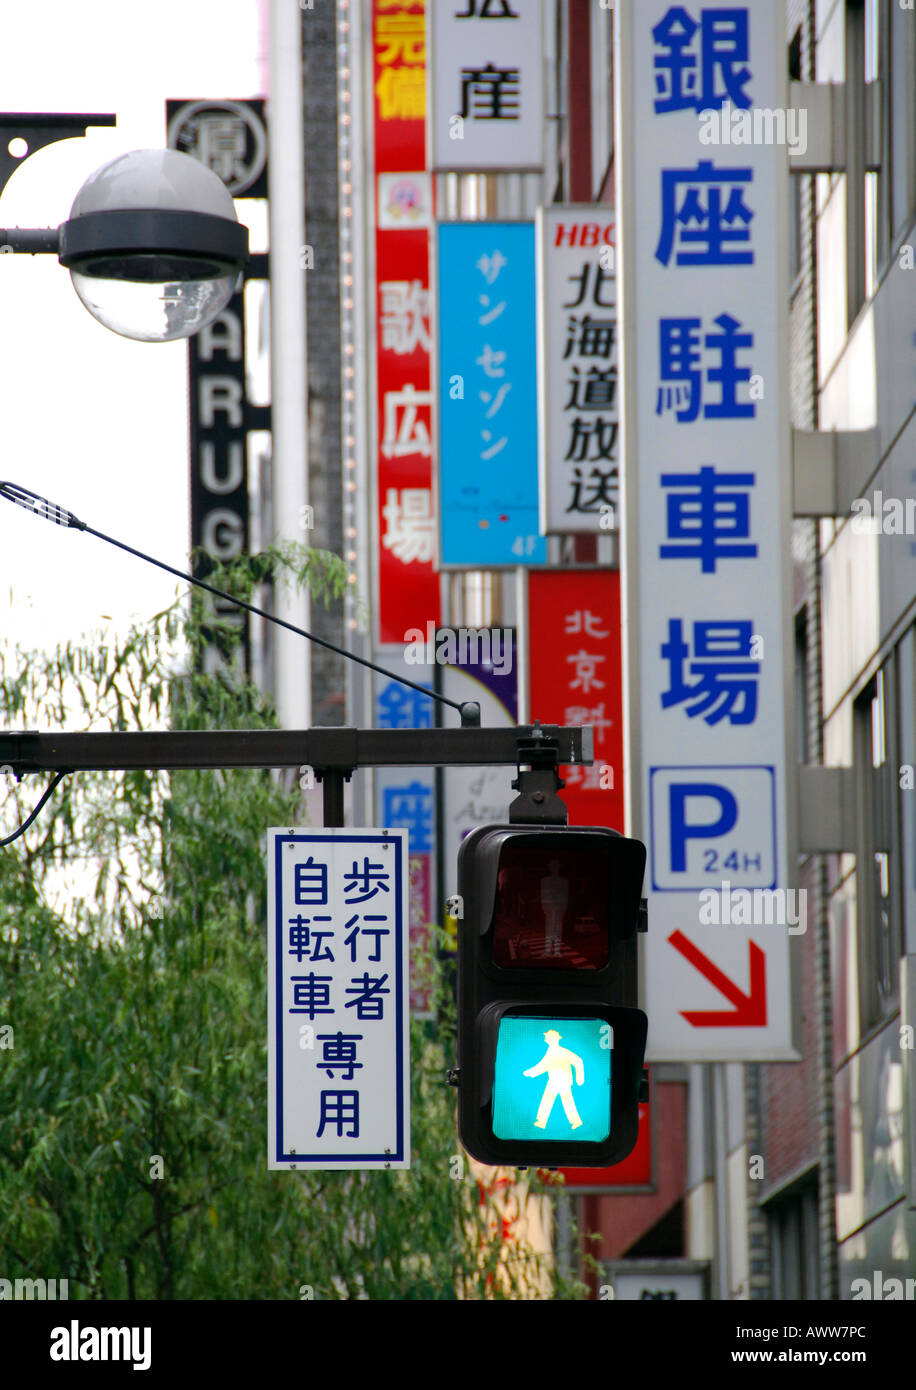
(538, 781)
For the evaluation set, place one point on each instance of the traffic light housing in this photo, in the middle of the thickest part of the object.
(550, 1041)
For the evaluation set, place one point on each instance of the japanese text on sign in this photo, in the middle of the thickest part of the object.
(338, 998)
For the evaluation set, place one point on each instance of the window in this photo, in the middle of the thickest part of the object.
(858, 52)
(900, 117)
(801, 687)
(794, 1243)
(879, 930)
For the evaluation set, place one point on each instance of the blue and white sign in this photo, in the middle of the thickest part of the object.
(338, 1002)
(706, 820)
(703, 259)
(487, 398)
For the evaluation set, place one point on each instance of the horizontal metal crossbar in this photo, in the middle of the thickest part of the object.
(341, 749)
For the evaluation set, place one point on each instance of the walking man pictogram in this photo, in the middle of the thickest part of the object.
(559, 1064)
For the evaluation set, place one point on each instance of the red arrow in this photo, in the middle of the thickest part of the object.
(750, 1009)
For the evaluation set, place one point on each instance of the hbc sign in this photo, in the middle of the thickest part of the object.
(577, 370)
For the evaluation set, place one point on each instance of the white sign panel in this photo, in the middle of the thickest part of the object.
(577, 369)
(338, 1002)
(486, 84)
(474, 796)
(702, 227)
(657, 1281)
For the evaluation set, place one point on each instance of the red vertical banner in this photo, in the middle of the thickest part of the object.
(634, 1172)
(408, 585)
(575, 678)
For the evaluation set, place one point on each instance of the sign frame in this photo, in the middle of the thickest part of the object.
(443, 156)
(395, 1072)
(675, 1037)
(552, 523)
(440, 377)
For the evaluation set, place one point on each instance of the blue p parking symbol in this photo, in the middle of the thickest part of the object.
(684, 816)
(712, 823)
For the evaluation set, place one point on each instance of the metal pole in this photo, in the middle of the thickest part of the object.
(33, 241)
(288, 358)
(333, 785)
(336, 749)
(720, 1180)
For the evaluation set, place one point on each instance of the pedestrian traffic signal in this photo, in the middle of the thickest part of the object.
(550, 1041)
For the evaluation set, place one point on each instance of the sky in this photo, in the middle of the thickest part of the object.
(94, 421)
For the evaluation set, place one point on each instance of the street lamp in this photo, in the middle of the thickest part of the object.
(153, 245)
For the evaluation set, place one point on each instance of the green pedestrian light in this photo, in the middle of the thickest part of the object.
(566, 1092)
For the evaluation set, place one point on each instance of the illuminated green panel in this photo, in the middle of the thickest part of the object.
(553, 1079)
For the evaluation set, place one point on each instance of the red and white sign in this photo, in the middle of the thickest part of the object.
(634, 1173)
(408, 586)
(575, 679)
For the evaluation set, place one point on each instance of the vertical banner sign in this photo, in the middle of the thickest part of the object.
(577, 369)
(339, 1021)
(487, 402)
(405, 797)
(230, 137)
(219, 423)
(703, 228)
(486, 108)
(575, 679)
(634, 1174)
(408, 586)
(473, 796)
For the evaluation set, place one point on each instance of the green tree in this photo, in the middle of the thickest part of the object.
(133, 1062)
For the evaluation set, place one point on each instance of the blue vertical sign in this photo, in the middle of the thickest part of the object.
(405, 798)
(487, 398)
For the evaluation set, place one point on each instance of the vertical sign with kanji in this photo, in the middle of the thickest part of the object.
(338, 1006)
(408, 586)
(474, 796)
(406, 797)
(230, 138)
(577, 369)
(703, 232)
(487, 401)
(575, 679)
(486, 79)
